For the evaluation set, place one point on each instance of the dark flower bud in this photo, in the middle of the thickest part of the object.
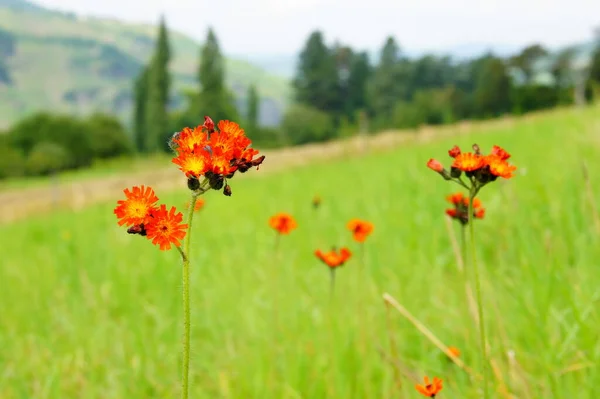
(227, 190)
(216, 181)
(476, 149)
(455, 172)
(137, 229)
(193, 183)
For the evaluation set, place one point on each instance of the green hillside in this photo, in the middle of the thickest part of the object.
(58, 61)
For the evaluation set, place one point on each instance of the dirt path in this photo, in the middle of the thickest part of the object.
(20, 203)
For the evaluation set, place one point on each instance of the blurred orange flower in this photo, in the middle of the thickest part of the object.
(166, 228)
(135, 210)
(333, 258)
(460, 211)
(284, 223)
(199, 204)
(429, 389)
(468, 162)
(360, 229)
(454, 351)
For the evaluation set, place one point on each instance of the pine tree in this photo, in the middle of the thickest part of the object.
(159, 83)
(317, 81)
(493, 89)
(389, 83)
(594, 74)
(214, 99)
(252, 108)
(140, 106)
(360, 71)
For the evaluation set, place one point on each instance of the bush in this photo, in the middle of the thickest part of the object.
(69, 133)
(46, 158)
(12, 161)
(266, 137)
(108, 137)
(302, 124)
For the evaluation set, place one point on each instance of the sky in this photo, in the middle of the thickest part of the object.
(271, 27)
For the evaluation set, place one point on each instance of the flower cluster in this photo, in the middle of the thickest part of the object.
(479, 169)
(141, 214)
(334, 258)
(460, 211)
(215, 154)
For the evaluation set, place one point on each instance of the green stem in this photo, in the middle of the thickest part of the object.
(484, 368)
(185, 255)
(331, 282)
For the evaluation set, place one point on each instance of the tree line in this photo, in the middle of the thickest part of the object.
(337, 91)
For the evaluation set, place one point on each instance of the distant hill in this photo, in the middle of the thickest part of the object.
(57, 61)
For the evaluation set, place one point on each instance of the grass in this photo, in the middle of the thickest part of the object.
(91, 312)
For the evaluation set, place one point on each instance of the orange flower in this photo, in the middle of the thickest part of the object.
(136, 209)
(282, 222)
(199, 204)
(360, 229)
(429, 389)
(454, 151)
(460, 211)
(435, 165)
(166, 228)
(499, 167)
(332, 258)
(501, 152)
(468, 162)
(454, 351)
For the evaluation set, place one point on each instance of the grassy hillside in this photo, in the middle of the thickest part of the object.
(58, 61)
(92, 312)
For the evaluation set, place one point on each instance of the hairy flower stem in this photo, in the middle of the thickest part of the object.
(185, 255)
(472, 194)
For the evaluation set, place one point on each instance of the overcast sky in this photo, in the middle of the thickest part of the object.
(282, 26)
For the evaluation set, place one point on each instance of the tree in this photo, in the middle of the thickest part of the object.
(317, 82)
(493, 90)
(594, 72)
(526, 59)
(389, 83)
(214, 99)
(252, 108)
(159, 81)
(140, 105)
(360, 72)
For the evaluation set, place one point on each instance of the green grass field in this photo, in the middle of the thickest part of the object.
(89, 311)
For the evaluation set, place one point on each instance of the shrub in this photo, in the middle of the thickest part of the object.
(303, 124)
(108, 137)
(12, 162)
(46, 158)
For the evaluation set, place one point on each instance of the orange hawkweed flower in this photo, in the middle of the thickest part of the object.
(360, 229)
(501, 152)
(460, 211)
(333, 258)
(136, 209)
(166, 228)
(284, 223)
(429, 389)
(499, 167)
(468, 162)
(454, 151)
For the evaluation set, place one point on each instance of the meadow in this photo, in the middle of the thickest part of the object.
(88, 311)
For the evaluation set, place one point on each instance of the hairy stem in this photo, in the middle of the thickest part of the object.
(185, 255)
(473, 193)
